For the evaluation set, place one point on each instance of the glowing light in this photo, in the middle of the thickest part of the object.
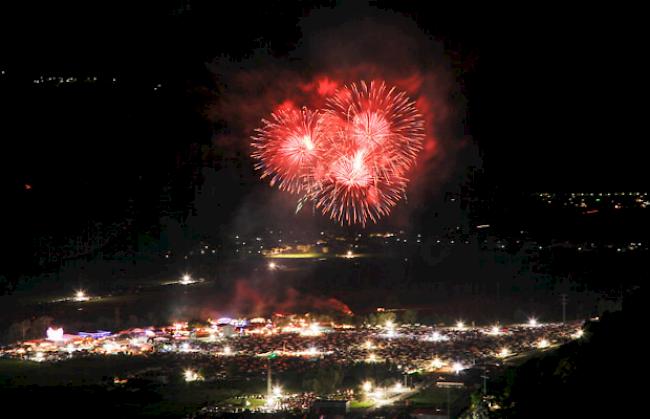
(543, 343)
(378, 394)
(389, 324)
(460, 325)
(457, 367)
(314, 329)
(271, 402)
(80, 296)
(367, 386)
(40, 356)
(349, 254)
(398, 387)
(437, 363)
(495, 330)
(111, 347)
(532, 322)
(437, 337)
(371, 358)
(504, 352)
(578, 334)
(55, 335)
(191, 375)
(227, 350)
(186, 280)
(277, 391)
(272, 266)
(368, 344)
(312, 351)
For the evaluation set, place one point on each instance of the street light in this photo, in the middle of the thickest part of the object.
(436, 363)
(366, 386)
(80, 295)
(457, 367)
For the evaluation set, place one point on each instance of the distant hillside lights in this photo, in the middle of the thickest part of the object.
(186, 279)
(66, 80)
(596, 200)
(191, 375)
(80, 295)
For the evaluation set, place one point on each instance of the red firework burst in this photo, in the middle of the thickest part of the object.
(288, 147)
(352, 159)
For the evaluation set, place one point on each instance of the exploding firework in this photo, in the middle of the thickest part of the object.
(350, 160)
(377, 134)
(379, 122)
(288, 147)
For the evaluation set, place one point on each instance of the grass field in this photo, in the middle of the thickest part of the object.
(435, 397)
(360, 404)
(76, 371)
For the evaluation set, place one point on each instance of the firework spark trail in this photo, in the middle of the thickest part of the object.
(350, 160)
(288, 146)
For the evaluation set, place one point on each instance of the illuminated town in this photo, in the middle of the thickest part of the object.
(411, 356)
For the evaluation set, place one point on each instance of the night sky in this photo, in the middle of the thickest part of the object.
(552, 100)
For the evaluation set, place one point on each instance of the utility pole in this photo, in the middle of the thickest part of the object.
(564, 300)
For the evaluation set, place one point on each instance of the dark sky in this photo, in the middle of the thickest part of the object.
(553, 95)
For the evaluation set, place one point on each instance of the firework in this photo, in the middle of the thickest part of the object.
(351, 159)
(288, 147)
(379, 122)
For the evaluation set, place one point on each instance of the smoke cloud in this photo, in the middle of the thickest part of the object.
(337, 47)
